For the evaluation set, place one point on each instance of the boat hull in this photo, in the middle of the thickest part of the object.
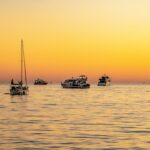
(104, 84)
(40, 83)
(18, 90)
(76, 87)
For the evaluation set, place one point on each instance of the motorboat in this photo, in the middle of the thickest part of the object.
(20, 88)
(40, 82)
(104, 81)
(79, 82)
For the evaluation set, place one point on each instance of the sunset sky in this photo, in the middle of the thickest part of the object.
(65, 38)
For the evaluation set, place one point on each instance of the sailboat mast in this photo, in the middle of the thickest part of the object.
(21, 61)
(24, 63)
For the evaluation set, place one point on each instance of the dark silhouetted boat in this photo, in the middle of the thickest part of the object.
(79, 82)
(104, 81)
(40, 82)
(20, 88)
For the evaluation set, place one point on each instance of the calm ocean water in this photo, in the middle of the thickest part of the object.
(116, 117)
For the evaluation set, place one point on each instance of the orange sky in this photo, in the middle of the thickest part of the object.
(65, 38)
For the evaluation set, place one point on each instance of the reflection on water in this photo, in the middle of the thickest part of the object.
(100, 118)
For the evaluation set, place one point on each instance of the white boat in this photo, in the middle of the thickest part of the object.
(104, 81)
(79, 82)
(20, 88)
(40, 82)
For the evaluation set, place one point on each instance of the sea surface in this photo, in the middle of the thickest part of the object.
(115, 117)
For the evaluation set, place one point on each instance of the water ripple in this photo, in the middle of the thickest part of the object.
(99, 118)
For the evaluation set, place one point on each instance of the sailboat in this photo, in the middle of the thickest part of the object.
(20, 88)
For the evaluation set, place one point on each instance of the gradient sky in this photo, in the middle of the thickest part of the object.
(65, 38)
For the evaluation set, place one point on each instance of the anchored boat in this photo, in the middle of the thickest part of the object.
(20, 88)
(104, 81)
(79, 82)
(40, 82)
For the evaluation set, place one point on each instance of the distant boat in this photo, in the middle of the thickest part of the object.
(20, 88)
(104, 81)
(40, 82)
(79, 82)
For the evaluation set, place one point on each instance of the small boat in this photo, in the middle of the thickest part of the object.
(40, 82)
(79, 82)
(104, 81)
(20, 88)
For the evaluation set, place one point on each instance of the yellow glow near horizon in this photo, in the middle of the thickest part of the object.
(65, 38)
